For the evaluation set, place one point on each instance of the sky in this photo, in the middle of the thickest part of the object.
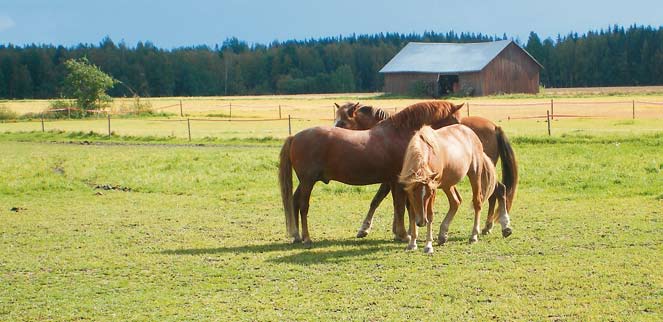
(170, 24)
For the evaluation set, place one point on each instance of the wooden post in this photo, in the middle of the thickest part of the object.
(333, 112)
(69, 112)
(188, 126)
(181, 111)
(289, 126)
(468, 108)
(552, 109)
(231, 110)
(395, 110)
(42, 122)
(109, 128)
(279, 111)
(634, 109)
(548, 120)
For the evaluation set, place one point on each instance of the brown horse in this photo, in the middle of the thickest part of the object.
(439, 160)
(354, 157)
(355, 116)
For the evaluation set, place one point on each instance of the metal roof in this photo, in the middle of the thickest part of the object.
(417, 57)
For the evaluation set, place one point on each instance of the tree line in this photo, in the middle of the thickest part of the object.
(616, 56)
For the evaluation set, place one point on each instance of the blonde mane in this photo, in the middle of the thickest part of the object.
(416, 168)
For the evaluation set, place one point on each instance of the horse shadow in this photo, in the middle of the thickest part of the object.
(344, 250)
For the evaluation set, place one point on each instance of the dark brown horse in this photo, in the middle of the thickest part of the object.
(354, 157)
(355, 116)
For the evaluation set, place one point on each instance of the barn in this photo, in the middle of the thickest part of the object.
(441, 69)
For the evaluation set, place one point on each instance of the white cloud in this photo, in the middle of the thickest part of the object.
(6, 22)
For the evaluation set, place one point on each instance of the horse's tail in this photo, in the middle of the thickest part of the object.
(488, 177)
(285, 182)
(509, 166)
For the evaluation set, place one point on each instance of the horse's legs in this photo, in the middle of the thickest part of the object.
(412, 245)
(454, 202)
(500, 190)
(477, 200)
(304, 198)
(490, 219)
(295, 209)
(428, 249)
(398, 226)
(368, 221)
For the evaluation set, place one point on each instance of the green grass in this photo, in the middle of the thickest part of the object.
(200, 236)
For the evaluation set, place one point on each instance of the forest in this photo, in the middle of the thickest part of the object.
(615, 56)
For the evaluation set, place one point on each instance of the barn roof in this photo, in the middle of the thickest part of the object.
(441, 58)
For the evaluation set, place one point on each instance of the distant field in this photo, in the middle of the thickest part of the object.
(258, 116)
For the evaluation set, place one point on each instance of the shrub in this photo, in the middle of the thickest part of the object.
(7, 114)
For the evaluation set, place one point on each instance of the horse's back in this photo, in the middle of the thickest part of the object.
(485, 130)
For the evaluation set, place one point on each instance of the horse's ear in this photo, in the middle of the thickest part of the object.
(337, 106)
(457, 107)
(353, 109)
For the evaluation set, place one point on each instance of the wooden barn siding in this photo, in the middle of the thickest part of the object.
(400, 83)
(472, 80)
(512, 71)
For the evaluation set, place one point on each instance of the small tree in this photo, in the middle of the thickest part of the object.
(87, 84)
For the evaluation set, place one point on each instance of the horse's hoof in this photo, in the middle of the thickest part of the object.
(405, 238)
(296, 240)
(411, 247)
(362, 233)
(473, 240)
(486, 231)
(441, 240)
(428, 250)
(506, 232)
(308, 244)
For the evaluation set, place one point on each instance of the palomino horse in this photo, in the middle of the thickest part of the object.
(495, 144)
(440, 159)
(354, 157)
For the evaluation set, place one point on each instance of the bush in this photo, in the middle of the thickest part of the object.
(422, 88)
(7, 114)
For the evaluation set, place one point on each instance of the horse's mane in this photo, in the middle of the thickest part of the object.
(425, 113)
(416, 168)
(377, 113)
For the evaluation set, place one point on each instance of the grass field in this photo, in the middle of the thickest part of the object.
(155, 228)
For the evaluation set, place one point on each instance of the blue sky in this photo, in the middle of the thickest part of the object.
(171, 24)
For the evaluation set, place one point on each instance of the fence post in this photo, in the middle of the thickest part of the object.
(634, 109)
(552, 109)
(42, 122)
(181, 111)
(279, 111)
(188, 126)
(333, 112)
(109, 128)
(468, 108)
(395, 110)
(231, 110)
(548, 121)
(69, 112)
(289, 126)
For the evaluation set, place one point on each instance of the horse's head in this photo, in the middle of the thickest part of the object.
(453, 118)
(421, 175)
(421, 196)
(353, 116)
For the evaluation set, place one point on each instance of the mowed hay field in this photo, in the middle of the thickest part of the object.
(258, 116)
(155, 228)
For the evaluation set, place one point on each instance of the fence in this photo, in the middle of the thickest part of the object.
(544, 110)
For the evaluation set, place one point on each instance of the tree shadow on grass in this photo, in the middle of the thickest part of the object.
(349, 249)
